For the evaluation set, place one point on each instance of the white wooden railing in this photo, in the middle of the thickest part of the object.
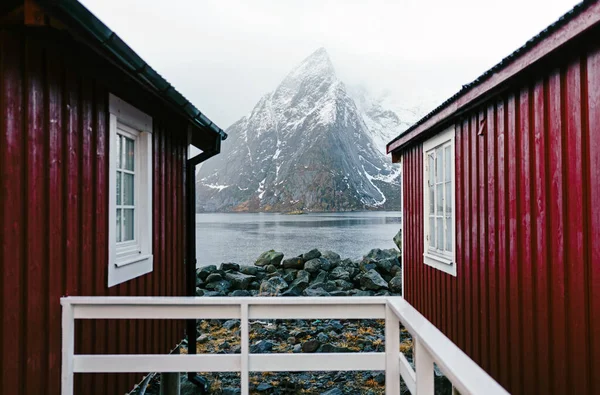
(430, 344)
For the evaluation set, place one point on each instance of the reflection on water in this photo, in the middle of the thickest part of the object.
(241, 238)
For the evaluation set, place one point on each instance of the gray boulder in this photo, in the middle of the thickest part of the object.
(395, 284)
(249, 270)
(312, 254)
(214, 277)
(273, 286)
(205, 271)
(332, 257)
(313, 266)
(315, 292)
(310, 346)
(239, 280)
(229, 266)
(371, 280)
(340, 273)
(270, 257)
(221, 286)
(398, 240)
(293, 263)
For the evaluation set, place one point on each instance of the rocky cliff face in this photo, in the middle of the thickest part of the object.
(306, 146)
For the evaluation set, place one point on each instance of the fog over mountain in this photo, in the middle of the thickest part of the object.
(312, 144)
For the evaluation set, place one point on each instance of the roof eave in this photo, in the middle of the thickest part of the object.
(131, 61)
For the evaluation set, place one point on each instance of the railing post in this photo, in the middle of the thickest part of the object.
(244, 376)
(424, 369)
(392, 352)
(68, 348)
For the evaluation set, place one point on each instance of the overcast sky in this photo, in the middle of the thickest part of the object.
(223, 55)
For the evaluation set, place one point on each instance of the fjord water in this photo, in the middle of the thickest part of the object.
(242, 237)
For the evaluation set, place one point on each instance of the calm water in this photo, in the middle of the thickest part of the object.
(241, 238)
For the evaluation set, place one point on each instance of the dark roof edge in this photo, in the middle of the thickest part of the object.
(132, 61)
(548, 31)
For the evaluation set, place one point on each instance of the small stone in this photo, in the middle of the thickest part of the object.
(315, 292)
(293, 263)
(212, 293)
(231, 391)
(203, 338)
(363, 293)
(333, 391)
(206, 270)
(322, 337)
(398, 240)
(199, 292)
(310, 346)
(271, 268)
(338, 293)
(263, 387)
(213, 277)
(229, 266)
(312, 254)
(221, 286)
(241, 292)
(395, 284)
(396, 270)
(230, 324)
(261, 347)
(249, 270)
(270, 257)
(372, 280)
(297, 348)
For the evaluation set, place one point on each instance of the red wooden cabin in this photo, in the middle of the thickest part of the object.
(502, 214)
(93, 151)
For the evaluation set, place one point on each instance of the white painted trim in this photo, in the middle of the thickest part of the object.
(430, 344)
(129, 115)
(445, 263)
(123, 262)
(392, 345)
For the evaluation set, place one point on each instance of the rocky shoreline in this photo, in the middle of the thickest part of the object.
(313, 273)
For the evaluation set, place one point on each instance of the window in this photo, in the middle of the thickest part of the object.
(130, 199)
(439, 202)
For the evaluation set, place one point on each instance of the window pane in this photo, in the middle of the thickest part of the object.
(431, 168)
(128, 197)
(448, 199)
(127, 224)
(431, 200)
(119, 185)
(439, 199)
(447, 164)
(129, 154)
(118, 225)
(449, 234)
(439, 160)
(440, 233)
(119, 142)
(432, 231)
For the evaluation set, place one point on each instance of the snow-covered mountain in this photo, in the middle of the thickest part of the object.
(310, 145)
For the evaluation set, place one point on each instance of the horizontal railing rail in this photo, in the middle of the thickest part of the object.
(430, 345)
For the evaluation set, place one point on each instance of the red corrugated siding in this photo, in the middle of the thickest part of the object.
(53, 216)
(525, 304)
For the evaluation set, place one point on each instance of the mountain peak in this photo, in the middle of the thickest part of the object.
(317, 63)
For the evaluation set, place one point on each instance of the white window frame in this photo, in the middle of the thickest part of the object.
(445, 262)
(130, 259)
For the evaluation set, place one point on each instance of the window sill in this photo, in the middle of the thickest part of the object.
(131, 260)
(441, 263)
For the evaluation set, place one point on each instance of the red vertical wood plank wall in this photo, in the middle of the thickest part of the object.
(53, 218)
(526, 299)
